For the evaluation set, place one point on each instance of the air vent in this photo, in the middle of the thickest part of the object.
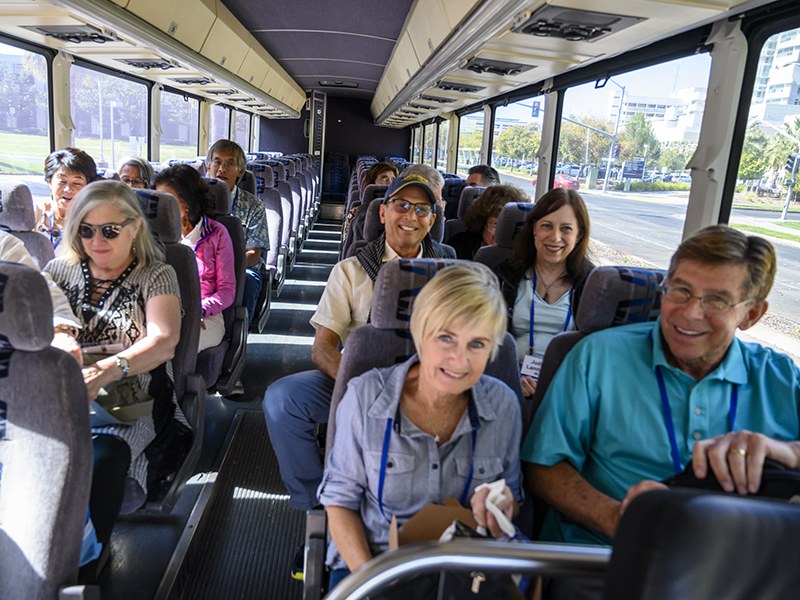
(419, 106)
(148, 63)
(74, 34)
(227, 92)
(573, 25)
(437, 99)
(462, 88)
(337, 83)
(255, 105)
(496, 67)
(191, 80)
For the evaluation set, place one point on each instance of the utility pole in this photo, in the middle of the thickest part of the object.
(614, 138)
(793, 160)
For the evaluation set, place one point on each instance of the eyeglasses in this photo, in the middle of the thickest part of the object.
(110, 231)
(713, 305)
(422, 209)
(136, 183)
(228, 164)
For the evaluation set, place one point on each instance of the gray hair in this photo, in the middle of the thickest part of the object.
(146, 171)
(229, 147)
(489, 174)
(120, 196)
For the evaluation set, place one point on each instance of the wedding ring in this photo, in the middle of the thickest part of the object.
(741, 451)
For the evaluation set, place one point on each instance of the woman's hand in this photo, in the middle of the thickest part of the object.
(486, 519)
(67, 343)
(95, 376)
(528, 385)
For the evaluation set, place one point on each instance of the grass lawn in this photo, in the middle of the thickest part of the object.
(751, 206)
(789, 224)
(767, 232)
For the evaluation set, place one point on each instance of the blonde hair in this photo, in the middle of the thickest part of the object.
(467, 291)
(121, 197)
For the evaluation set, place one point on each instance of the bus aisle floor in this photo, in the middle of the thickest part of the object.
(143, 544)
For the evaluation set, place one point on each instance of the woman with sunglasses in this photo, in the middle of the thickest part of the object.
(211, 244)
(128, 302)
(481, 220)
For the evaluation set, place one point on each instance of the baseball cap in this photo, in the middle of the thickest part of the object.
(410, 180)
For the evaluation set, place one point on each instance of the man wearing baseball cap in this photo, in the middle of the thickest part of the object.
(293, 404)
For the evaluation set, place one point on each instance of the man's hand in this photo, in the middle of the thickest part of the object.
(737, 458)
(325, 352)
(67, 343)
(640, 488)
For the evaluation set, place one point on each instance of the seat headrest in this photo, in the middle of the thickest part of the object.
(222, 196)
(618, 296)
(373, 191)
(291, 168)
(512, 218)
(163, 214)
(16, 207)
(468, 196)
(248, 182)
(451, 192)
(398, 284)
(279, 169)
(265, 174)
(26, 311)
(108, 174)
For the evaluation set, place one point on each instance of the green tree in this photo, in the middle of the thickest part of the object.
(779, 147)
(754, 160)
(639, 132)
(675, 155)
(579, 145)
(518, 141)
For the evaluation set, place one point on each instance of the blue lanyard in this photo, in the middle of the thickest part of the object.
(58, 235)
(385, 457)
(673, 442)
(533, 303)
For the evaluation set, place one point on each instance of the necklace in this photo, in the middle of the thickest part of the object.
(547, 287)
(436, 436)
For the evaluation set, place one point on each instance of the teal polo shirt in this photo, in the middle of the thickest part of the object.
(603, 411)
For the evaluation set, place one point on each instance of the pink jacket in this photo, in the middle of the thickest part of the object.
(215, 265)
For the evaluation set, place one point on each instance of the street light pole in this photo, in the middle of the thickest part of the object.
(614, 138)
(644, 166)
(791, 187)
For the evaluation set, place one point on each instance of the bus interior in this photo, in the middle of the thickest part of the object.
(544, 90)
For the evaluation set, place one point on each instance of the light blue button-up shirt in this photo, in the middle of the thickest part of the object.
(603, 411)
(417, 471)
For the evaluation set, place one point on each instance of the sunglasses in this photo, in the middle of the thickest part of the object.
(110, 231)
(422, 209)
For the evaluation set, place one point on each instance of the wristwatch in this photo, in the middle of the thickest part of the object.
(123, 364)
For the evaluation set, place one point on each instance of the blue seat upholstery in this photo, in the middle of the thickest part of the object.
(512, 218)
(17, 215)
(465, 200)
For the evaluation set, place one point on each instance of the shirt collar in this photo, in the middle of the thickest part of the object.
(731, 369)
(390, 254)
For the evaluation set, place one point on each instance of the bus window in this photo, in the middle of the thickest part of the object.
(24, 124)
(110, 115)
(516, 140)
(415, 143)
(429, 140)
(241, 129)
(767, 166)
(180, 123)
(220, 123)
(470, 137)
(441, 155)
(646, 123)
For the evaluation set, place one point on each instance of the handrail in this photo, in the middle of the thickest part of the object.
(536, 558)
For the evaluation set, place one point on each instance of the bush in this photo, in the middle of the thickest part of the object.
(654, 186)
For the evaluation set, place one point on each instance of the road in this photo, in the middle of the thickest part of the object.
(650, 228)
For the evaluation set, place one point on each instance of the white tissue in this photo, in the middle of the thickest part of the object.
(495, 497)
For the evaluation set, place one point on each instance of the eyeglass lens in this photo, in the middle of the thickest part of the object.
(422, 209)
(110, 232)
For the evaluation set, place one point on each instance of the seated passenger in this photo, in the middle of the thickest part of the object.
(129, 307)
(66, 172)
(543, 280)
(293, 404)
(137, 173)
(381, 173)
(483, 176)
(211, 244)
(633, 405)
(226, 161)
(436, 407)
(481, 220)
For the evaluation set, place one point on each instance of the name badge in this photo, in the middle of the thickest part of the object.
(531, 366)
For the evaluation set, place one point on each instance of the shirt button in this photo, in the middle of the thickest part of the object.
(697, 435)
(697, 411)
(435, 466)
(389, 465)
(481, 470)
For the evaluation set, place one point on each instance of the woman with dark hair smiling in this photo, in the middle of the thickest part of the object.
(543, 280)
(66, 172)
(211, 244)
